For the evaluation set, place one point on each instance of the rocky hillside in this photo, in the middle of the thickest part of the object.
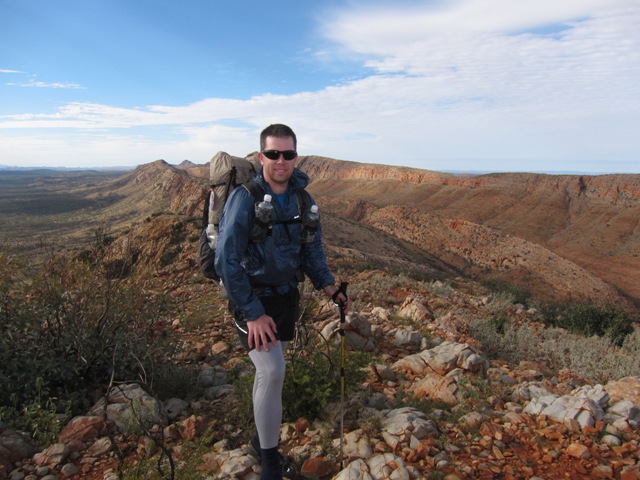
(156, 187)
(562, 237)
(511, 226)
(460, 383)
(445, 394)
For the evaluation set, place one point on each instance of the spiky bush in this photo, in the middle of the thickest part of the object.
(71, 327)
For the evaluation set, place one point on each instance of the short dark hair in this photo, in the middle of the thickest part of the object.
(277, 130)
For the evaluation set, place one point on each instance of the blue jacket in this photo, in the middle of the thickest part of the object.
(272, 263)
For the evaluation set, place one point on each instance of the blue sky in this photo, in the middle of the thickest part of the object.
(456, 85)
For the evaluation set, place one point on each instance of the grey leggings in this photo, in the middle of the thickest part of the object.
(267, 392)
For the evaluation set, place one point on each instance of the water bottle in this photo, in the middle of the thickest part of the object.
(310, 223)
(212, 204)
(212, 235)
(264, 210)
(313, 217)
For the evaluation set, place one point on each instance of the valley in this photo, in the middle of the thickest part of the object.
(571, 238)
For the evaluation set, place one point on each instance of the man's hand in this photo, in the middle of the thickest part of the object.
(341, 299)
(261, 330)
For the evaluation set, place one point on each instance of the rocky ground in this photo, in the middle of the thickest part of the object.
(433, 405)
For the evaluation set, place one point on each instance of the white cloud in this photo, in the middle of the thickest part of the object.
(462, 85)
(37, 84)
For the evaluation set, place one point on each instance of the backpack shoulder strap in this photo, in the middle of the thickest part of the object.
(304, 201)
(255, 189)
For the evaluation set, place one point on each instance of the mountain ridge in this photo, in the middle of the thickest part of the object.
(537, 408)
(551, 230)
(515, 228)
(590, 220)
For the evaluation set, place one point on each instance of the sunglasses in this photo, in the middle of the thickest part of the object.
(275, 154)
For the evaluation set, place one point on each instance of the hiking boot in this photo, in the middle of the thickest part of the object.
(271, 464)
(288, 470)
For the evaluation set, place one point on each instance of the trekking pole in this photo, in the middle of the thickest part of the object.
(341, 305)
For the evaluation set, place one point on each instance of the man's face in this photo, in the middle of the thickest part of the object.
(277, 172)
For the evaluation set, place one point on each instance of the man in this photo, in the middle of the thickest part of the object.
(261, 278)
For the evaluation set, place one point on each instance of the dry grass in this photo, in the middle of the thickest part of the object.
(593, 358)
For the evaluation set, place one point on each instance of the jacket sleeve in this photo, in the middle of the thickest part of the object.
(233, 239)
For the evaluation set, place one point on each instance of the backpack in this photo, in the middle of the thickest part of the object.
(226, 173)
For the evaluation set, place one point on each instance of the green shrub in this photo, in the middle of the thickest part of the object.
(169, 255)
(313, 379)
(514, 293)
(172, 380)
(439, 288)
(311, 382)
(588, 319)
(309, 386)
(42, 417)
(72, 327)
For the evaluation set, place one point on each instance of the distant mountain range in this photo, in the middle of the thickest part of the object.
(187, 164)
(62, 169)
(563, 237)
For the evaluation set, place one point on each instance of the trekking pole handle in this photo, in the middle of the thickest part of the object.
(342, 289)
